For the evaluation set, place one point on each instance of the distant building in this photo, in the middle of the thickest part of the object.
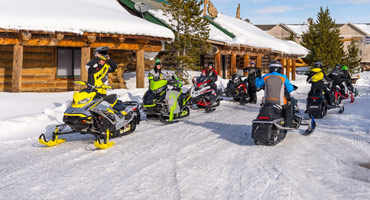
(360, 32)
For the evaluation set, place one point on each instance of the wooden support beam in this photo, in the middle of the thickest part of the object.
(246, 63)
(85, 57)
(47, 41)
(259, 61)
(17, 68)
(218, 64)
(283, 63)
(293, 69)
(288, 68)
(140, 67)
(233, 64)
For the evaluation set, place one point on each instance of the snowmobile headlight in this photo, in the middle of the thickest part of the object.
(83, 101)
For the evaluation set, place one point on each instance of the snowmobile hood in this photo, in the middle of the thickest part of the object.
(80, 99)
(154, 85)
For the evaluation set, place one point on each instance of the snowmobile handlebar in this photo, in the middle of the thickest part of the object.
(82, 83)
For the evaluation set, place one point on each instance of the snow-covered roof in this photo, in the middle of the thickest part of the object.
(251, 35)
(214, 33)
(364, 27)
(298, 29)
(76, 16)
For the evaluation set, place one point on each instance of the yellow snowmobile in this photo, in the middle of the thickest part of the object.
(94, 113)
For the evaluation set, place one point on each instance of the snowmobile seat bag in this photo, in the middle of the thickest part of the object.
(262, 131)
(270, 111)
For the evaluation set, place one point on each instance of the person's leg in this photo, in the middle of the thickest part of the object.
(288, 114)
(328, 94)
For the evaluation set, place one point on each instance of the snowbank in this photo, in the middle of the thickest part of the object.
(76, 16)
(364, 79)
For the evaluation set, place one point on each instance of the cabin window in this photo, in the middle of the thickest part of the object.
(69, 62)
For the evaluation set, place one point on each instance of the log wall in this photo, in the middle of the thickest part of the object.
(6, 65)
(39, 69)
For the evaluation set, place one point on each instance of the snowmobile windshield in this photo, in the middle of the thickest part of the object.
(202, 79)
(155, 85)
(236, 78)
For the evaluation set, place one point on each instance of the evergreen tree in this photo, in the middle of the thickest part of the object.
(323, 41)
(352, 59)
(191, 34)
(291, 37)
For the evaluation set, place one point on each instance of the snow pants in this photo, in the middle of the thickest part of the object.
(252, 92)
(288, 114)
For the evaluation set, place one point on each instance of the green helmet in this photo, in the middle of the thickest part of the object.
(344, 68)
(157, 62)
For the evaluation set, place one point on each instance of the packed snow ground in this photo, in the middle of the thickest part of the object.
(204, 156)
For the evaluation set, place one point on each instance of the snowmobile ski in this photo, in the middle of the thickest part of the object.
(50, 143)
(106, 144)
(311, 127)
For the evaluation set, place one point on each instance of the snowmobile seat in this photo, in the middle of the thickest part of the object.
(111, 99)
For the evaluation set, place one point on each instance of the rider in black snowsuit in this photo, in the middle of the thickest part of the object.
(347, 78)
(338, 77)
(253, 73)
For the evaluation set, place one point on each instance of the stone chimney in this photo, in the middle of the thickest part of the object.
(238, 12)
(310, 21)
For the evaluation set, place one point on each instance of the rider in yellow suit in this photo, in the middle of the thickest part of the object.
(99, 67)
(316, 78)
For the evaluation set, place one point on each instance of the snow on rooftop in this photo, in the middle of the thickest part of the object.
(298, 29)
(251, 35)
(77, 16)
(364, 27)
(214, 33)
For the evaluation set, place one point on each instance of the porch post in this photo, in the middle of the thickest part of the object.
(17, 68)
(140, 69)
(85, 57)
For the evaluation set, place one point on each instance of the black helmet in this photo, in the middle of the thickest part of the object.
(210, 64)
(318, 64)
(337, 66)
(275, 66)
(101, 50)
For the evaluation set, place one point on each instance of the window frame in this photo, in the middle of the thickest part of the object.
(73, 63)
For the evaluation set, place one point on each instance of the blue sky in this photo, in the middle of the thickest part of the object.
(295, 11)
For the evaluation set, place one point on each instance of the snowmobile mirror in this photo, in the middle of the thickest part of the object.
(79, 82)
(106, 87)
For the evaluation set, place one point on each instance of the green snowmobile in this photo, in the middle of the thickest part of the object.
(164, 103)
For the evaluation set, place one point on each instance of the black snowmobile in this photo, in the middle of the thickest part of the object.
(164, 103)
(100, 115)
(317, 104)
(237, 89)
(268, 129)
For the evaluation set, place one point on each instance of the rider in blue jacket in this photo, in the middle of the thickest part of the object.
(276, 85)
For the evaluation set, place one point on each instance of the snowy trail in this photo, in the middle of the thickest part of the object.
(204, 156)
